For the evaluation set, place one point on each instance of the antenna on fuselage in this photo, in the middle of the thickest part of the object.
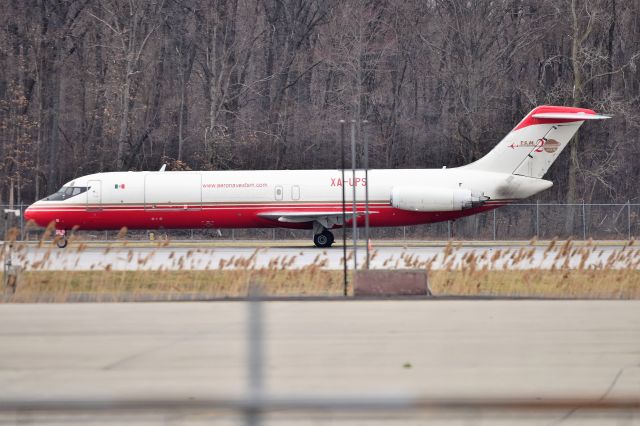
(164, 166)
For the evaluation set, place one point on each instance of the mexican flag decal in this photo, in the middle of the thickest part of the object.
(119, 185)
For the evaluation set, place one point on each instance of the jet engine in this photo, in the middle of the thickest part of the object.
(428, 199)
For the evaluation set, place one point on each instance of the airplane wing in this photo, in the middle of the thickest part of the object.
(326, 218)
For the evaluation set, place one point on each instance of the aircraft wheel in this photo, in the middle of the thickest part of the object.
(62, 242)
(323, 239)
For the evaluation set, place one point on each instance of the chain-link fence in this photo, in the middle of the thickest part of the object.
(513, 222)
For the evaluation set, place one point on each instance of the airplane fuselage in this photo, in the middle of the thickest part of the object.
(512, 170)
(248, 199)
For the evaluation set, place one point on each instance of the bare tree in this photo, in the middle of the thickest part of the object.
(131, 25)
(93, 85)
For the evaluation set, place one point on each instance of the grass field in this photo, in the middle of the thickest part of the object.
(45, 286)
(616, 276)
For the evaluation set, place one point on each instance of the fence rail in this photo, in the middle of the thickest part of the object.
(612, 221)
(299, 403)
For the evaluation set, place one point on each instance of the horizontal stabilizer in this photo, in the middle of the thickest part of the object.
(577, 116)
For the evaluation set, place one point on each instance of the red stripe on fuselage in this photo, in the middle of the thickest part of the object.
(281, 205)
(224, 216)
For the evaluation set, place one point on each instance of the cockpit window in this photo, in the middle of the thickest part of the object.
(67, 192)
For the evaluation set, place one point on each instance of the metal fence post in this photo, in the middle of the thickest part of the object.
(494, 224)
(255, 353)
(537, 218)
(21, 222)
(629, 220)
(584, 222)
(354, 216)
(448, 229)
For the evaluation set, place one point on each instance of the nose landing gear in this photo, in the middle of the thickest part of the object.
(324, 239)
(61, 238)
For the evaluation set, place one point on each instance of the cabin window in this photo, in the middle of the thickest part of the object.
(279, 192)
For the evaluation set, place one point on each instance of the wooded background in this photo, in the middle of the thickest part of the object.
(103, 85)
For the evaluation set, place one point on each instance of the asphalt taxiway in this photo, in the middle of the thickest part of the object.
(518, 349)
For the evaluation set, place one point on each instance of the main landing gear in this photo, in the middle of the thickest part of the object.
(324, 239)
(61, 238)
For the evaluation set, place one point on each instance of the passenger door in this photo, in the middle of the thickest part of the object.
(94, 195)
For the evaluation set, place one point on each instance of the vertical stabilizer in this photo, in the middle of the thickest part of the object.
(535, 143)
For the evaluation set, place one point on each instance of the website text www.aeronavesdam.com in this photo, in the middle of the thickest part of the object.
(233, 185)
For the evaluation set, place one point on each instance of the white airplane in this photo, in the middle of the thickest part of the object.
(312, 199)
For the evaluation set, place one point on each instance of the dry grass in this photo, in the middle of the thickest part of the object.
(106, 285)
(43, 286)
(596, 284)
(569, 270)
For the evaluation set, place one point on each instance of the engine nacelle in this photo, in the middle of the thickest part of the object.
(428, 199)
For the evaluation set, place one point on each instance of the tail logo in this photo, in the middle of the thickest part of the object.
(551, 146)
(541, 145)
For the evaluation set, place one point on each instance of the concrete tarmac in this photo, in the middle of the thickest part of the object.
(516, 349)
(200, 257)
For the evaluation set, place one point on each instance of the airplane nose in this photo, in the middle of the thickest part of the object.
(29, 214)
(37, 214)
